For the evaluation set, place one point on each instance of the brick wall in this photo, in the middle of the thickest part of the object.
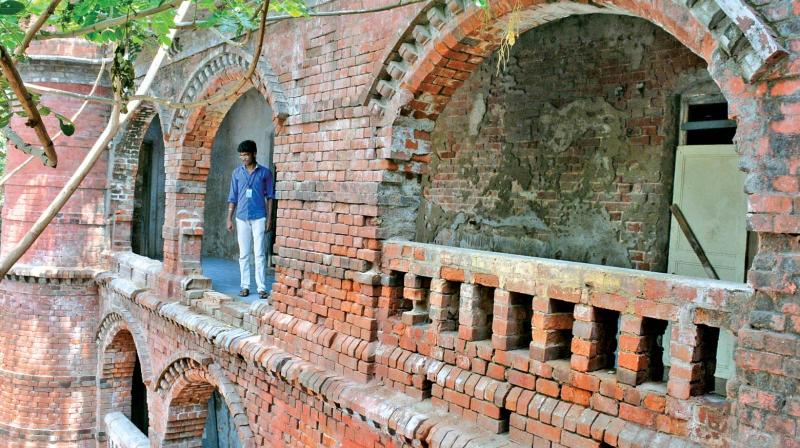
(47, 360)
(568, 152)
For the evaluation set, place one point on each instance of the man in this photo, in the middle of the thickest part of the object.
(251, 197)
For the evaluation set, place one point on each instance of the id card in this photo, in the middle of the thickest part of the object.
(249, 193)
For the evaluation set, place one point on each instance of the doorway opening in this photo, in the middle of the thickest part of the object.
(149, 196)
(250, 118)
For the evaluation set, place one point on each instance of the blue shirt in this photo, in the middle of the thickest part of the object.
(262, 186)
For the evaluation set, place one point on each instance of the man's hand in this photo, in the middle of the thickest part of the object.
(230, 225)
(268, 226)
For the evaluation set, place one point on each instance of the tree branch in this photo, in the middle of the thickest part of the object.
(60, 133)
(242, 82)
(49, 90)
(91, 157)
(36, 26)
(277, 18)
(109, 22)
(34, 119)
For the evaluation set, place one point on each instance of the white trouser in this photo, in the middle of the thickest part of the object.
(248, 232)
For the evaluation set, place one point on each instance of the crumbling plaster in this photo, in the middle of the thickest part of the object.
(568, 152)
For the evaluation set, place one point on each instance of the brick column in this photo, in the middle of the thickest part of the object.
(49, 302)
(443, 301)
(475, 312)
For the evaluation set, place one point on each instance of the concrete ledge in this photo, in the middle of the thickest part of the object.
(123, 434)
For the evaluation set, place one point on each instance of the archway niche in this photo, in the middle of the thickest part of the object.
(149, 196)
(121, 386)
(200, 417)
(250, 118)
(569, 151)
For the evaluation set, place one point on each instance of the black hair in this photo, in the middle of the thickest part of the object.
(248, 146)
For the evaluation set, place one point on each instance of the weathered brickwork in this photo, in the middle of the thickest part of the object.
(569, 153)
(369, 343)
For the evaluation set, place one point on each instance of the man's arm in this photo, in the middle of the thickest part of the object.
(269, 215)
(233, 197)
(231, 209)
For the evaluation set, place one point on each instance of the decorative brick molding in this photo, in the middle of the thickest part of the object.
(451, 35)
(481, 373)
(225, 58)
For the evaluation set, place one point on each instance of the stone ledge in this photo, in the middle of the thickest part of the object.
(123, 434)
(393, 413)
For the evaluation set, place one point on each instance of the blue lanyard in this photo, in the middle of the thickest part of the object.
(250, 176)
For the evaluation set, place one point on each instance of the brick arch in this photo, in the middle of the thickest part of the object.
(186, 385)
(445, 45)
(220, 67)
(447, 41)
(119, 342)
(189, 138)
(125, 166)
(116, 321)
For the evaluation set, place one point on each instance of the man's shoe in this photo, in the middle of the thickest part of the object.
(263, 294)
(244, 292)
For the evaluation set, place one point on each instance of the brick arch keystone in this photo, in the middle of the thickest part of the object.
(186, 384)
(450, 38)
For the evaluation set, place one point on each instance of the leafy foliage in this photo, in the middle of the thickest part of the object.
(127, 38)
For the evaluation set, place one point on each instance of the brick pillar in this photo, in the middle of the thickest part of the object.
(49, 302)
(475, 312)
(183, 223)
(443, 301)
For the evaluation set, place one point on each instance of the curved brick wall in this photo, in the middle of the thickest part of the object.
(47, 360)
(48, 304)
(76, 237)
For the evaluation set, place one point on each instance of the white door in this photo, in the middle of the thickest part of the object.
(709, 189)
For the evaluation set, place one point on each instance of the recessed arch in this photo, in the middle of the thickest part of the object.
(186, 387)
(457, 34)
(447, 43)
(123, 372)
(124, 169)
(190, 137)
(119, 320)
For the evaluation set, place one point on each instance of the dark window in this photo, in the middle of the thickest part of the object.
(708, 124)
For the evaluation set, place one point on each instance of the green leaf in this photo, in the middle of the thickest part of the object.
(44, 110)
(10, 7)
(66, 125)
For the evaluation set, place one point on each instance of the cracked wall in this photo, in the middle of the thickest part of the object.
(568, 153)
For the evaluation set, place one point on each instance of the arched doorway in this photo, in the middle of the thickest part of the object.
(149, 196)
(250, 118)
(121, 383)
